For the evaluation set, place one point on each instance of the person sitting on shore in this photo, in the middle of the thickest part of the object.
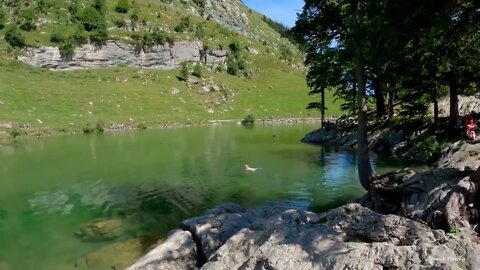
(471, 127)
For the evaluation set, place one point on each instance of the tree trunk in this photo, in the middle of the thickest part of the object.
(379, 99)
(449, 202)
(354, 95)
(453, 101)
(435, 106)
(391, 97)
(323, 107)
(365, 171)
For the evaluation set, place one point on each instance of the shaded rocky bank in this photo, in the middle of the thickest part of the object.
(410, 138)
(349, 237)
(382, 137)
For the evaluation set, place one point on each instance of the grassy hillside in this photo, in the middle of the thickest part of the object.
(66, 101)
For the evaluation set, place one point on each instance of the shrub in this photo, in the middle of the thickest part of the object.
(67, 49)
(184, 24)
(14, 37)
(99, 36)
(198, 71)
(236, 61)
(100, 127)
(74, 10)
(428, 149)
(235, 46)
(142, 126)
(79, 36)
(92, 19)
(88, 129)
(57, 37)
(28, 18)
(134, 18)
(43, 5)
(14, 133)
(160, 37)
(122, 6)
(286, 53)
(232, 66)
(200, 32)
(120, 23)
(248, 120)
(3, 17)
(100, 5)
(184, 72)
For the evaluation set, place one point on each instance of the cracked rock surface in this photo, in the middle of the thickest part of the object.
(348, 237)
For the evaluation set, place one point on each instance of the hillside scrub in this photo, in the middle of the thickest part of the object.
(122, 6)
(14, 37)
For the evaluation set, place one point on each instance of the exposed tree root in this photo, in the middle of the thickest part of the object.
(443, 198)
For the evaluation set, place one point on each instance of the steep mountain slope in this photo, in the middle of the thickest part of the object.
(232, 62)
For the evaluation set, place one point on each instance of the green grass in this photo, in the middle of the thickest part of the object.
(62, 100)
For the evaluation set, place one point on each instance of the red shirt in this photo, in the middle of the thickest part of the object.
(470, 126)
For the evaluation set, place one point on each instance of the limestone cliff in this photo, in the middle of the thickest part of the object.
(115, 53)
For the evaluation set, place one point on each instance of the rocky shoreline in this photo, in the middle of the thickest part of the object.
(381, 137)
(348, 237)
(7, 129)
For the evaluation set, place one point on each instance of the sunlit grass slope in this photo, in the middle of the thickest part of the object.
(70, 100)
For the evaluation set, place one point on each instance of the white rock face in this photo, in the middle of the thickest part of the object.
(466, 104)
(216, 57)
(229, 14)
(115, 53)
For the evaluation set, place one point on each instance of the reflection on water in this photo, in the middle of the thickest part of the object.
(153, 180)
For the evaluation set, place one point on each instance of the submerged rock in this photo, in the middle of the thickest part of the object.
(5, 266)
(119, 255)
(101, 229)
(349, 237)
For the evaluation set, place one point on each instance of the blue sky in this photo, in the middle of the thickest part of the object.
(284, 11)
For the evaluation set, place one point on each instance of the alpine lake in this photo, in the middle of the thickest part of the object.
(100, 201)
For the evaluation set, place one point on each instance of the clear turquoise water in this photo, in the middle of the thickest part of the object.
(153, 180)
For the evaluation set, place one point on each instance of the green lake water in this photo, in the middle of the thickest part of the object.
(152, 180)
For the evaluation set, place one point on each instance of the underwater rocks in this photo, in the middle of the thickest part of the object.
(101, 229)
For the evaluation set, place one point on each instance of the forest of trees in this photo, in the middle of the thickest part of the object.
(402, 54)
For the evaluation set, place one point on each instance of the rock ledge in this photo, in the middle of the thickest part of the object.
(349, 237)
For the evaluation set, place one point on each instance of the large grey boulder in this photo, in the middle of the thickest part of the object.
(215, 227)
(466, 104)
(178, 252)
(216, 57)
(350, 237)
(461, 155)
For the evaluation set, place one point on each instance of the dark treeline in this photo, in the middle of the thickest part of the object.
(402, 54)
(284, 30)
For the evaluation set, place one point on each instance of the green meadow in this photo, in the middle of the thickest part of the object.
(67, 101)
